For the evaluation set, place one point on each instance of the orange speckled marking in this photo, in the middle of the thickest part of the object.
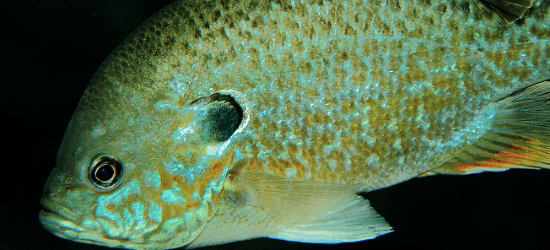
(487, 163)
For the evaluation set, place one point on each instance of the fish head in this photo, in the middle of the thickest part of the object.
(146, 182)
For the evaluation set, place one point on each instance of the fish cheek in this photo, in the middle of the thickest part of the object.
(195, 158)
(198, 161)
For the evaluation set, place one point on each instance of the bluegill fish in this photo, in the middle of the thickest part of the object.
(219, 121)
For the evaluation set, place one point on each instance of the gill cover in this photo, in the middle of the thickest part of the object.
(198, 158)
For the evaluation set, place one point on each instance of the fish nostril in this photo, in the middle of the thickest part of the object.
(67, 180)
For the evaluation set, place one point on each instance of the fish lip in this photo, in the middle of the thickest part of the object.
(51, 221)
(53, 208)
(58, 219)
(60, 227)
(63, 222)
(66, 229)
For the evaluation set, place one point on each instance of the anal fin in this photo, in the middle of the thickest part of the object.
(519, 136)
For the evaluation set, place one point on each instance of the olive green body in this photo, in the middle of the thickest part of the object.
(360, 93)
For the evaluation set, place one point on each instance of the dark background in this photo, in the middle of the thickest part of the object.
(49, 51)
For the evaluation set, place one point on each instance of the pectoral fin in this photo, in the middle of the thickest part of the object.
(313, 212)
(358, 221)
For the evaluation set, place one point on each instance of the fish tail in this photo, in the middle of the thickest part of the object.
(519, 136)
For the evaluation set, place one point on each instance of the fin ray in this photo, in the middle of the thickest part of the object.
(347, 225)
(313, 212)
(519, 136)
(508, 10)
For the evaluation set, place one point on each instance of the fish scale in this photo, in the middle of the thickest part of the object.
(333, 98)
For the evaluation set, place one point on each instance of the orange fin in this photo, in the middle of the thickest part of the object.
(519, 136)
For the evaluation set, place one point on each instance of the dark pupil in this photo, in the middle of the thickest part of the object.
(105, 173)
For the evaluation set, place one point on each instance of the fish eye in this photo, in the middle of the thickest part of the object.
(105, 172)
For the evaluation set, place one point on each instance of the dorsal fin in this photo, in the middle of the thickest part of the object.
(508, 10)
(519, 136)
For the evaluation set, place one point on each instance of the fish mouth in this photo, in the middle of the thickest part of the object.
(62, 222)
(58, 219)
(56, 209)
(61, 227)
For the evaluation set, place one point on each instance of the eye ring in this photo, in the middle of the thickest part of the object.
(105, 171)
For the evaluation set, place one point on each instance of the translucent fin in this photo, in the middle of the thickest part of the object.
(356, 222)
(425, 174)
(519, 136)
(508, 10)
(313, 212)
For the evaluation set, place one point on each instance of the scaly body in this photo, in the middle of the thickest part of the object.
(329, 97)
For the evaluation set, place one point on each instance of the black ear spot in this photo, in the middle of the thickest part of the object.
(219, 117)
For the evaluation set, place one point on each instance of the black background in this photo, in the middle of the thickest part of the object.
(49, 51)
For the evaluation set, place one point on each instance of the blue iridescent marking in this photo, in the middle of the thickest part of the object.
(109, 228)
(475, 130)
(174, 167)
(172, 224)
(101, 211)
(128, 220)
(155, 212)
(161, 105)
(151, 179)
(173, 196)
(196, 195)
(190, 173)
(182, 133)
(178, 84)
(131, 188)
(137, 209)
